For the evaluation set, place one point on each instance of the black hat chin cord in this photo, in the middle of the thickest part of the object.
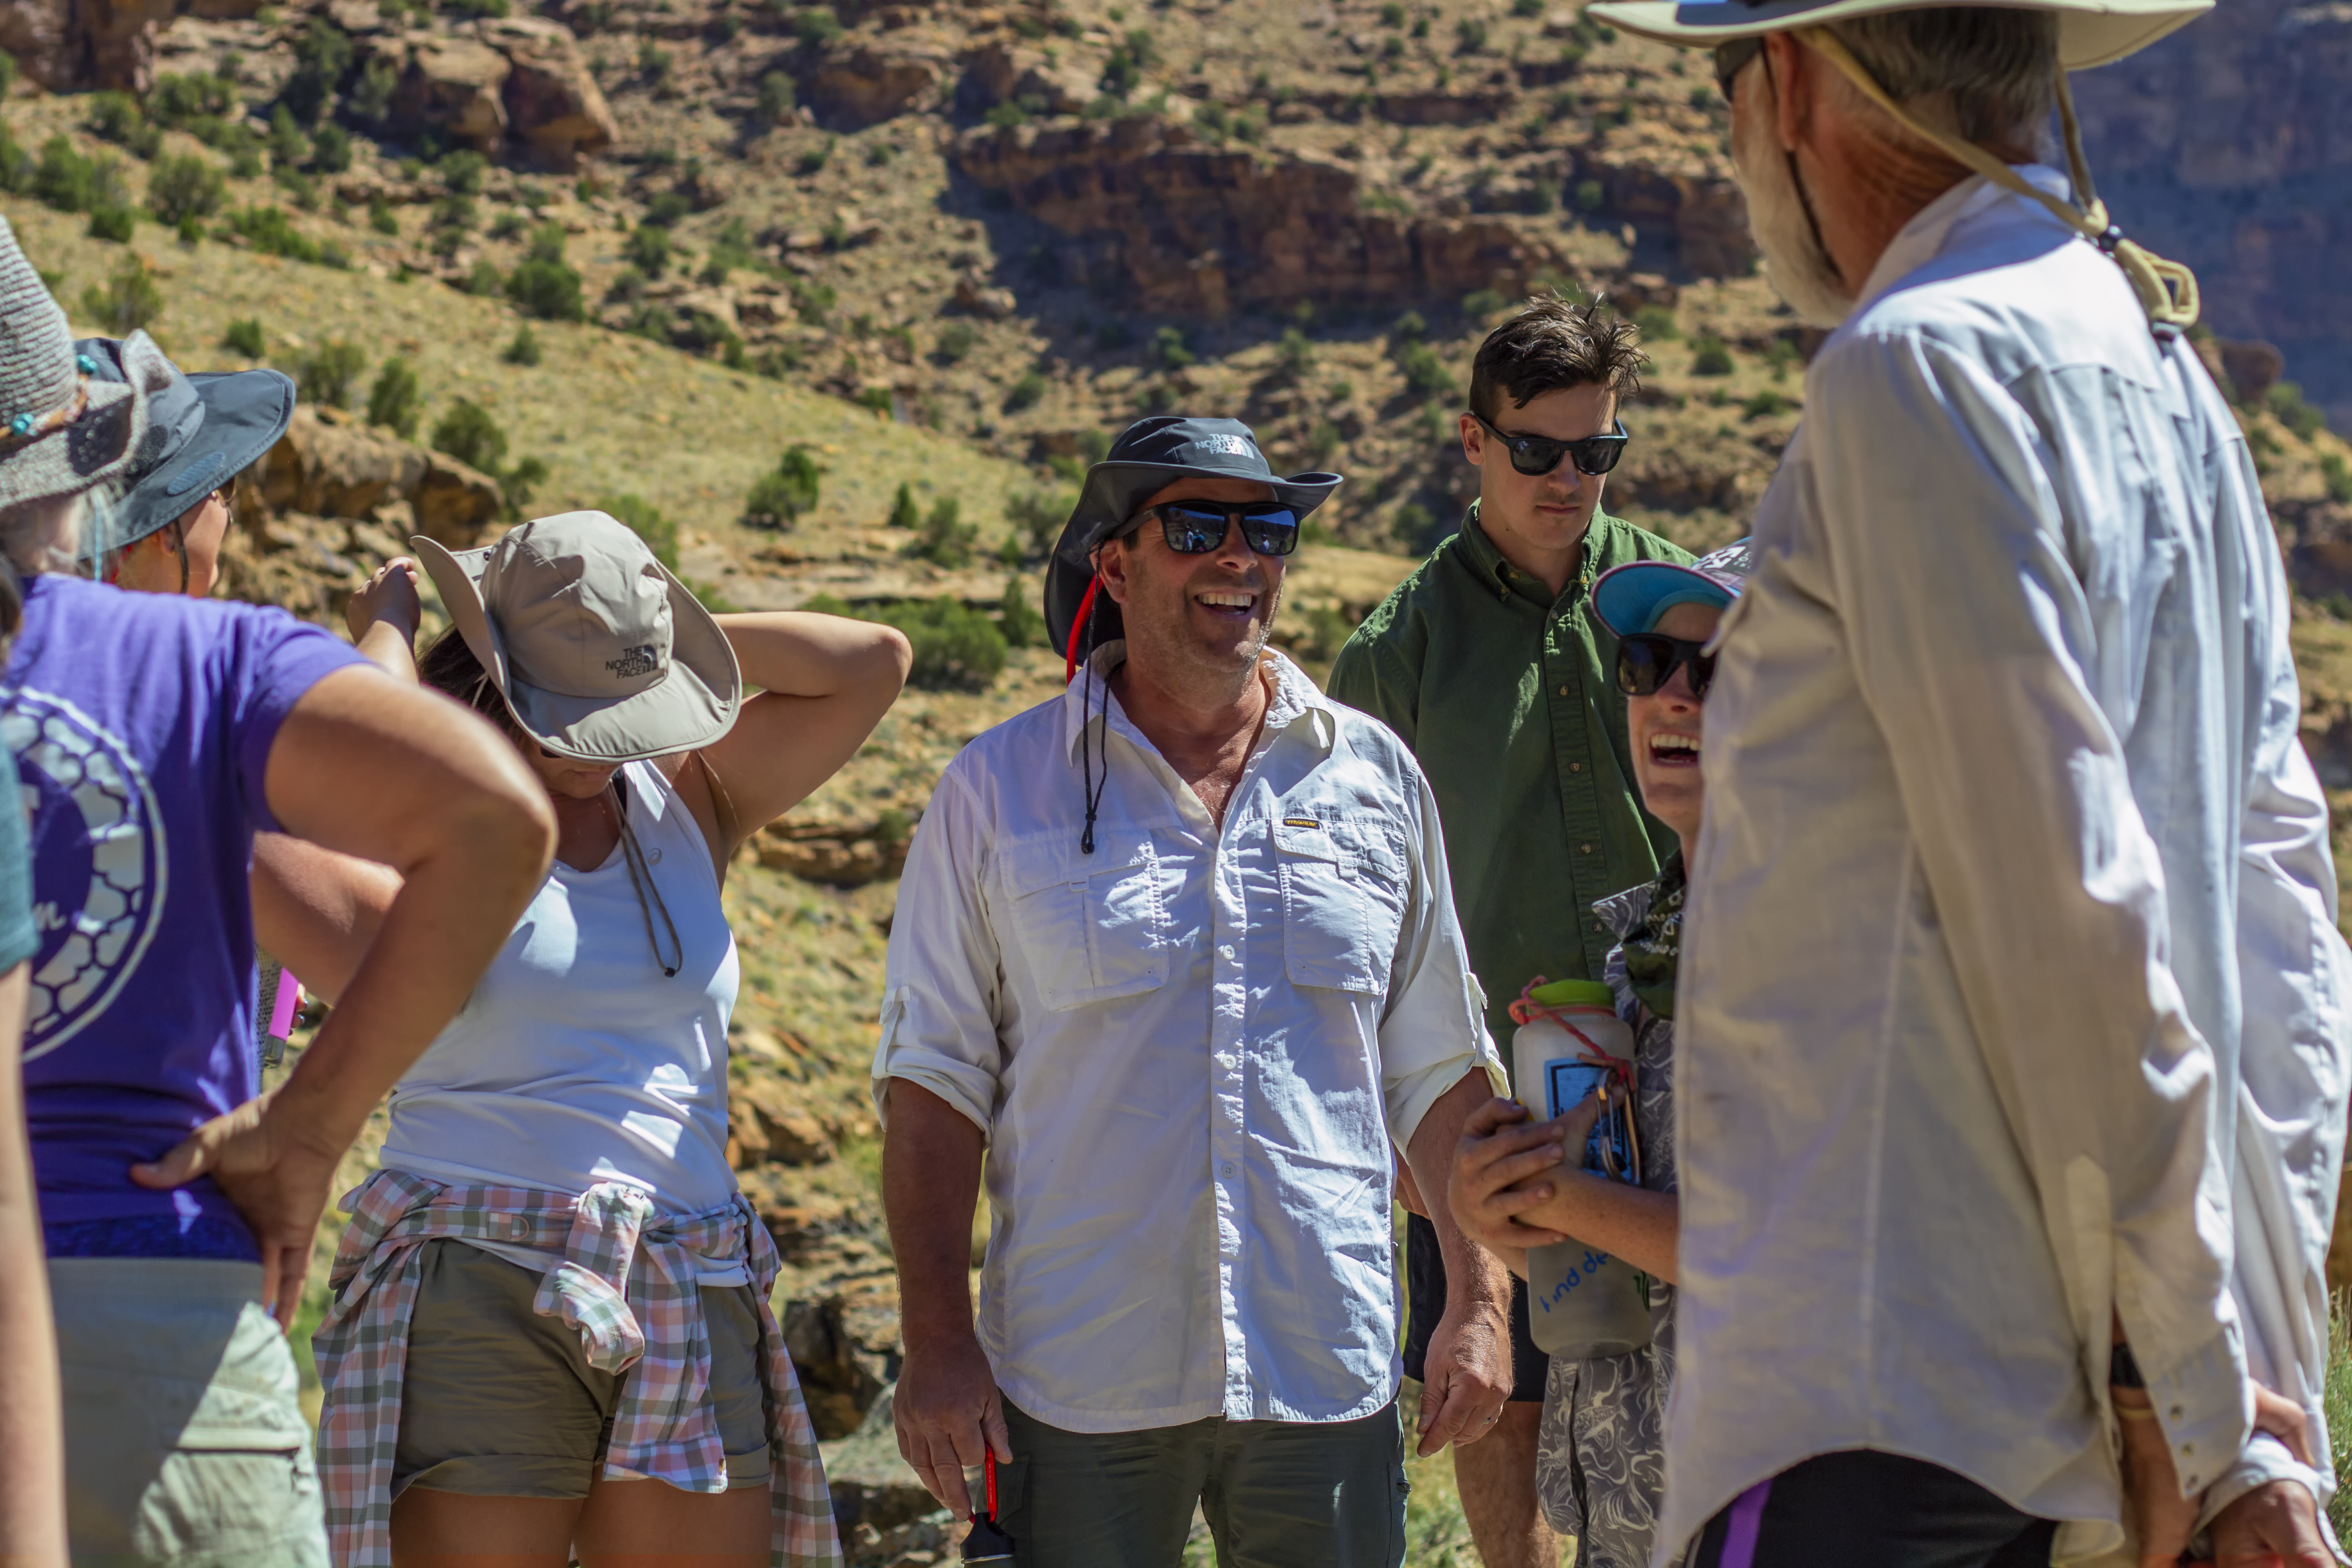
(1093, 791)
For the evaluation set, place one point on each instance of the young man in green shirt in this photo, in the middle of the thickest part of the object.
(1490, 663)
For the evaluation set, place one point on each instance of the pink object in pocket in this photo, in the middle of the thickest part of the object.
(281, 1012)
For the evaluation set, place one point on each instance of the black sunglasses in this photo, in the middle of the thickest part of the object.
(1731, 58)
(1537, 454)
(1647, 660)
(1198, 527)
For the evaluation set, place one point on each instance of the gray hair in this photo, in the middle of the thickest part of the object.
(1987, 73)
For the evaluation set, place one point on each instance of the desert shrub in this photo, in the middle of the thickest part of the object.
(245, 336)
(116, 223)
(1017, 615)
(875, 399)
(183, 187)
(817, 25)
(468, 433)
(485, 280)
(266, 230)
(1657, 323)
(944, 539)
(127, 302)
(177, 101)
(1037, 517)
(287, 146)
(1409, 328)
(370, 100)
(1713, 358)
(524, 349)
(547, 289)
(813, 302)
(519, 483)
(1480, 303)
(73, 183)
(1026, 393)
(644, 519)
(904, 513)
(956, 647)
(381, 217)
(330, 149)
(1295, 354)
(394, 401)
(1425, 371)
(1168, 349)
(647, 250)
(117, 117)
(2285, 400)
(325, 374)
(955, 341)
(782, 495)
(321, 54)
(461, 171)
(776, 97)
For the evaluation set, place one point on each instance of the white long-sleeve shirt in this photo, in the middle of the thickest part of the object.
(2011, 989)
(1189, 1052)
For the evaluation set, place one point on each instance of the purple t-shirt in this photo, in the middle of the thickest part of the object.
(141, 725)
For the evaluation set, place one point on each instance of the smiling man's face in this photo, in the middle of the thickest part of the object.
(1194, 618)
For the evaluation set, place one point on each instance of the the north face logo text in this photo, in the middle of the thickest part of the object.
(632, 662)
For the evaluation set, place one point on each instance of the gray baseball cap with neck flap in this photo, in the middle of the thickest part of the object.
(602, 655)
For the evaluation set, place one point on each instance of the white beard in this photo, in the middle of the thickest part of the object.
(1794, 261)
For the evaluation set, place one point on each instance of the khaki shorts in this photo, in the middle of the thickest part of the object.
(185, 1444)
(499, 1401)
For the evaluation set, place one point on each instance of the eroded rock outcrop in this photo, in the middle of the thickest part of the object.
(68, 45)
(327, 465)
(1197, 230)
(1668, 187)
(454, 87)
(551, 100)
(859, 83)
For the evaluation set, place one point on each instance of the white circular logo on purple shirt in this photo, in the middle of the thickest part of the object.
(99, 867)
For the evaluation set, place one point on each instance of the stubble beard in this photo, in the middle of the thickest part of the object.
(1164, 639)
(1794, 262)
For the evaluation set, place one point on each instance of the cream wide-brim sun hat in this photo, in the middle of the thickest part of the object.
(2090, 32)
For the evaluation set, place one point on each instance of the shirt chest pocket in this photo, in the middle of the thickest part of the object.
(1092, 927)
(1342, 905)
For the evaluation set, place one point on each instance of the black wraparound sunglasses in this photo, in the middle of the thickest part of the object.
(1647, 660)
(1198, 527)
(1731, 58)
(1536, 455)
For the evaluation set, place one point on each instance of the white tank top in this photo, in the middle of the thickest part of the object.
(576, 1061)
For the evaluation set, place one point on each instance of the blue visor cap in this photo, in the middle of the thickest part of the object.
(1631, 599)
(207, 428)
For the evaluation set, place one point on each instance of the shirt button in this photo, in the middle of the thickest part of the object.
(1224, 950)
(1586, 848)
(1563, 691)
(1226, 1170)
(1576, 767)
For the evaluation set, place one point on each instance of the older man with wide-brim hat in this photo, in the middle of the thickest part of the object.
(2013, 1043)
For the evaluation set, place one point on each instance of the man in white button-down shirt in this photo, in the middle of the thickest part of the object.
(2012, 1031)
(1178, 951)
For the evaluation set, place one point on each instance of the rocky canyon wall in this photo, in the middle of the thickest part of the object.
(2228, 146)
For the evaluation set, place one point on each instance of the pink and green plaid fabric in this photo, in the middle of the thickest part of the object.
(628, 1283)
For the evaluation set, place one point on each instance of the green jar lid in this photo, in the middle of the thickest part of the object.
(1574, 994)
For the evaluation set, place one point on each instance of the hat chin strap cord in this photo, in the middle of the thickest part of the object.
(2166, 289)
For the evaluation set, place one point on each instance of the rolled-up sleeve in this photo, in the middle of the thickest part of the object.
(1433, 1030)
(1970, 635)
(941, 982)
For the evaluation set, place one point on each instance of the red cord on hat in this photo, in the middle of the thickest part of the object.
(1078, 629)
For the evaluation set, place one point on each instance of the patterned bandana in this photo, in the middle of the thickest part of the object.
(1653, 947)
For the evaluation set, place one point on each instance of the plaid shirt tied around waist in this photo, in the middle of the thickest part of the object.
(629, 1281)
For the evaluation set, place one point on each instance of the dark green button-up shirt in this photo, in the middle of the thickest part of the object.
(1508, 698)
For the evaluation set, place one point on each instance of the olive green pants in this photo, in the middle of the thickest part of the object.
(185, 1444)
(1276, 1494)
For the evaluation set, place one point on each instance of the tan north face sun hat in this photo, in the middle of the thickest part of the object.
(602, 655)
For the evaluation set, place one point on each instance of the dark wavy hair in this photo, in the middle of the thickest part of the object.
(448, 665)
(1551, 345)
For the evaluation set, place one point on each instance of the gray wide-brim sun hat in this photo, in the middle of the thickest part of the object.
(1149, 456)
(2090, 32)
(202, 430)
(63, 431)
(601, 656)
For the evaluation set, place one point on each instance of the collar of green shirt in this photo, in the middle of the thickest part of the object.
(1481, 555)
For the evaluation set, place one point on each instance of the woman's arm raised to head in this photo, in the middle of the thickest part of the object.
(825, 682)
(406, 778)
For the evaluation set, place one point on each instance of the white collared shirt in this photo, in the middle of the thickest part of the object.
(2011, 945)
(1189, 1052)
